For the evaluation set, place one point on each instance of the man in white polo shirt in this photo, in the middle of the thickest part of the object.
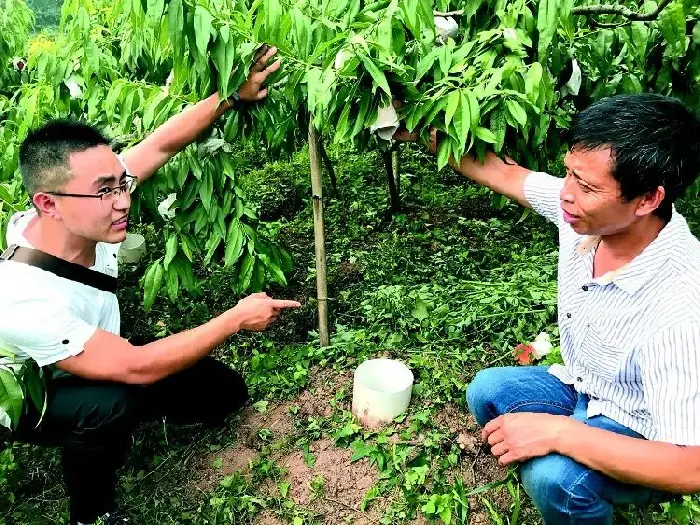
(101, 385)
(619, 422)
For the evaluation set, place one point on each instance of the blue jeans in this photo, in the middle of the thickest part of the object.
(563, 490)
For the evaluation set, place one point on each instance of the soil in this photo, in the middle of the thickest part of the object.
(234, 459)
(325, 384)
(333, 488)
(277, 419)
(267, 518)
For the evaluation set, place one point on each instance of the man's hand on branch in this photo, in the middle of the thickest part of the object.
(252, 89)
(403, 135)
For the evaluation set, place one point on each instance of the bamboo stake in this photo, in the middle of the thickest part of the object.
(319, 240)
(395, 170)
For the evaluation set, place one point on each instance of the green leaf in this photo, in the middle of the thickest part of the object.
(284, 489)
(235, 239)
(342, 128)
(276, 273)
(426, 63)
(202, 28)
(223, 57)
(672, 26)
(547, 22)
(498, 127)
(170, 249)
(258, 278)
(486, 135)
(172, 283)
(33, 379)
(444, 153)
(176, 23)
(211, 246)
(206, 189)
(516, 111)
(245, 273)
(365, 100)
(376, 73)
(11, 396)
(452, 104)
(474, 110)
(273, 14)
(153, 282)
(463, 118)
(533, 80)
(420, 311)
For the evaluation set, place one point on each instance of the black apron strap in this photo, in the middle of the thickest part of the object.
(60, 267)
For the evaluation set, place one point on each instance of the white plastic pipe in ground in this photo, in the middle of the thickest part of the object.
(132, 249)
(381, 391)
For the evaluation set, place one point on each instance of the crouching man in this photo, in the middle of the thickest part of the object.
(619, 422)
(59, 309)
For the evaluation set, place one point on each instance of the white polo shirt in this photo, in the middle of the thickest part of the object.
(49, 318)
(630, 339)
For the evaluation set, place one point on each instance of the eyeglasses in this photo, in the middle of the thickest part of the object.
(108, 194)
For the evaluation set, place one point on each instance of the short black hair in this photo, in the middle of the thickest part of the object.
(655, 141)
(44, 154)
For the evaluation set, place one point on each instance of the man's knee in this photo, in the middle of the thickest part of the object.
(481, 394)
(225, 387)
(565, 491)
(108, 410)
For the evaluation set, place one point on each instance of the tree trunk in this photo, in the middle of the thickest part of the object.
(319, 238)
(329, 168)
(395, 198)
(395, 170)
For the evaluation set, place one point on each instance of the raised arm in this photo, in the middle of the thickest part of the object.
(149, 155)
(506, 178)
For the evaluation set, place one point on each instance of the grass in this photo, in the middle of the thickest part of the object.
(449, 286)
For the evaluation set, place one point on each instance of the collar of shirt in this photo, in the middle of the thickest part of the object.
(632, 276)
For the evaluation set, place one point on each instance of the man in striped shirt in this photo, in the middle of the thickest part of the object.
(619, 422)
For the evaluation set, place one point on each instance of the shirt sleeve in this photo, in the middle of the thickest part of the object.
(121, 160)
(670, 369)
(46, 331)
(542, 193)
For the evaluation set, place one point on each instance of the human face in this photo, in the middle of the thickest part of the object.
(591, 201)
(94, 171)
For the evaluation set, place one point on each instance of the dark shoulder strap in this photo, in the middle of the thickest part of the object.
(60, 267)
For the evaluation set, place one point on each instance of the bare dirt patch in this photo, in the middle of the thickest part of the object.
(277, 419)
(325, 384)
(267, 518)
(217, 465)
(333, 487)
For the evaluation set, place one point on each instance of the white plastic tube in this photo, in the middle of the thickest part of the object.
(381, 391)
(132, 249)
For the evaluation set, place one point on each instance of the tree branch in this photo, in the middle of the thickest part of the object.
(620, 10)
(604, 25)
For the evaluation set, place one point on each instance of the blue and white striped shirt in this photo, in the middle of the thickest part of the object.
(630, 339)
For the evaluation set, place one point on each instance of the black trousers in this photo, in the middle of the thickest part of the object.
(92, 423)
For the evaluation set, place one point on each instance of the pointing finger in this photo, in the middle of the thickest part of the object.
(281, 303)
